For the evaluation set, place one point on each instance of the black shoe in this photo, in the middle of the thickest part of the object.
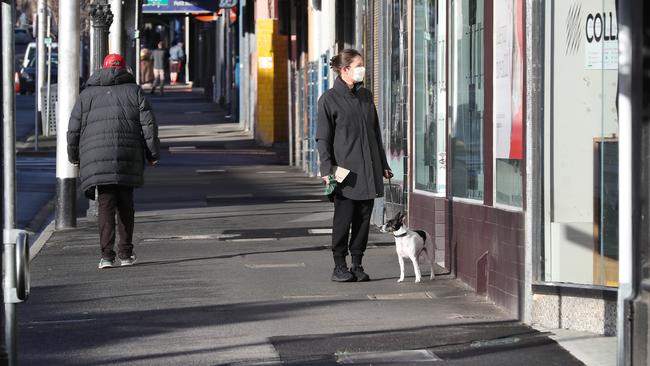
(341, 274)
(358, 272)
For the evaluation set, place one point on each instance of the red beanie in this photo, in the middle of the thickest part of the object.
(114, 60)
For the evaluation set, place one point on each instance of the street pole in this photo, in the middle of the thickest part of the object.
(137, 42)
(228, 60)
(115, 44)
(187, 49)
(101, 20)
(9, 162)
(48, 92)
(68, 92)
(40, 66)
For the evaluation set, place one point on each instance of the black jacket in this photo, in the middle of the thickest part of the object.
(111, 131)
(348, 135)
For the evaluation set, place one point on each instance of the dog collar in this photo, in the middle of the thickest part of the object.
(402, 234)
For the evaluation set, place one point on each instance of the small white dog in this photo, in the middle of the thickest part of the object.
(410, 244)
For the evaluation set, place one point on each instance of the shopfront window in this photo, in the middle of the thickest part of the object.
(468, 104)
(508, 106)
(581, 144)
(430, 96)
(396, 70)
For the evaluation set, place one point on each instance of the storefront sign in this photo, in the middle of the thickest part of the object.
(180, 6)
(508, 67)
(227, 4)
(266, 62)
(601, 40)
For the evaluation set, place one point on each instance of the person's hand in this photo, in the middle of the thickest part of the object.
(153, 162)
(326, 179)
(388, 173)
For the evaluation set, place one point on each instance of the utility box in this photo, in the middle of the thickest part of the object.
(48, 114)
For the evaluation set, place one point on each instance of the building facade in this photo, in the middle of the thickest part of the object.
(499, 120)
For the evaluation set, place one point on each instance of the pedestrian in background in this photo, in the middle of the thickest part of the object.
(348, 136)
(146, 66)
(159, 56)
(112, 130)
(176, 58)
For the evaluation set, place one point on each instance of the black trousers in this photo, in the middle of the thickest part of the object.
(354, 214)
(112, 198)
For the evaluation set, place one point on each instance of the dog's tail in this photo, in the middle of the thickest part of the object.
(423, 235)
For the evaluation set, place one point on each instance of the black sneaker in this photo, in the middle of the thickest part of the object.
(341, 274)
(358, 272)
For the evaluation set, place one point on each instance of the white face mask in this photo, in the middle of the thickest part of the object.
(358, 73)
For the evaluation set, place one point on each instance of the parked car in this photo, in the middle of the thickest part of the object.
(27, 74)
(30, 52)
(22, 36)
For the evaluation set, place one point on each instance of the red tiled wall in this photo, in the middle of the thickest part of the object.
(479, 229)
(430, 214)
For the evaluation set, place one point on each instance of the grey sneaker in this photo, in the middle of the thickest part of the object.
(106, 263)
(128, 261)
(342, 274)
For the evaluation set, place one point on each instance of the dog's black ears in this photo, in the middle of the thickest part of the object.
(400, 217)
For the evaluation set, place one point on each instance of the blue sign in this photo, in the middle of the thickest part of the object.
(180, 6)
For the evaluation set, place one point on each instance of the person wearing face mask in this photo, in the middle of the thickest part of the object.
(348, 136)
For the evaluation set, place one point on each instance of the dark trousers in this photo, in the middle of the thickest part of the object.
(348, 214)
(112, 197)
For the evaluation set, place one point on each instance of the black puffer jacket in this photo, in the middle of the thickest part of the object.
(111, 131)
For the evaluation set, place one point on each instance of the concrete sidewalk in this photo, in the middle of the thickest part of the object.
(233, 268)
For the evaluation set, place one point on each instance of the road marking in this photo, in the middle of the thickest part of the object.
(278, 265)
(210, 171)
(391, 357)
(244, 240)
(193, 237)
(302, 201)
(181, 148)
(403, 296)
(227, 196)
(320, 231)
(61, 321)
(318, 216)
(307, 297)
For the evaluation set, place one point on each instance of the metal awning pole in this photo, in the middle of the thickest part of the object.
(9, 161)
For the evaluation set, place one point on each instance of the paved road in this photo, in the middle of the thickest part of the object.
(35, 172)
(234, 269)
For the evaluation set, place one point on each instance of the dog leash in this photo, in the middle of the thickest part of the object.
(390, 189)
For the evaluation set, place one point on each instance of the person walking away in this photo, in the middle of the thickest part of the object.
(159, 56)
(348, 136)
(176, 58)
(112, 130)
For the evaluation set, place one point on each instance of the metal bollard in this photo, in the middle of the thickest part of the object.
(16, 284)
